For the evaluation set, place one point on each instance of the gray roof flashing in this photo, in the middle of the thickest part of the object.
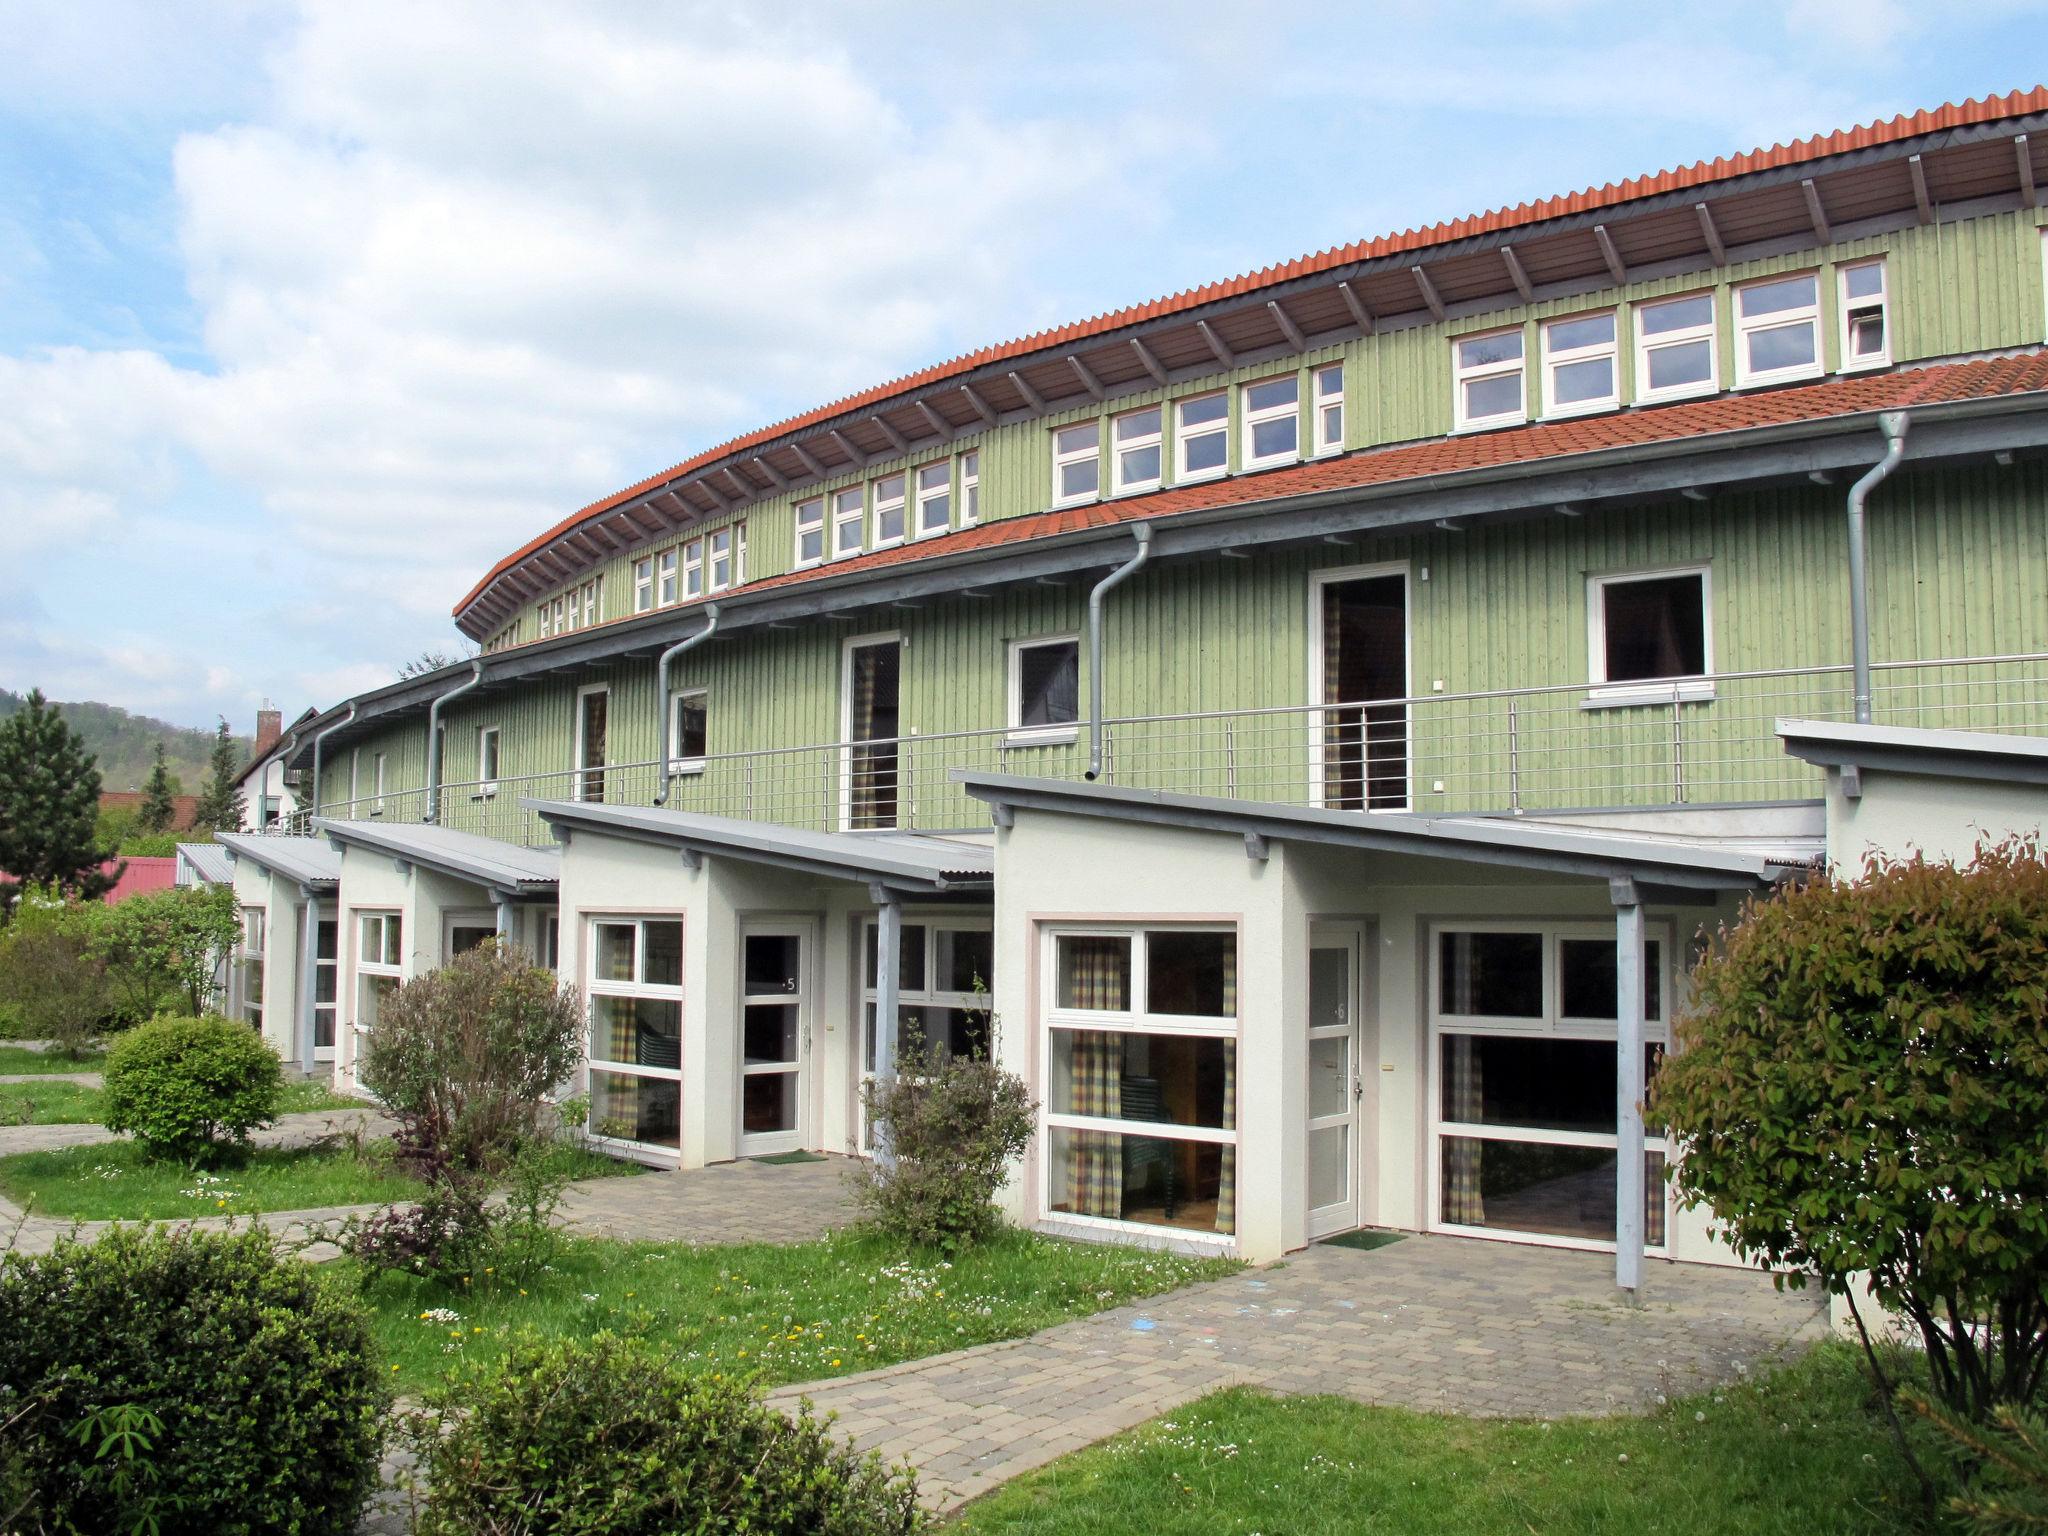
(1986, 756)
(1662, 860)
(511, 868)
(899, 860)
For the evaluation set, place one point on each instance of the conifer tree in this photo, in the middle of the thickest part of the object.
(159, 809)
(49, 803)
(220, 798)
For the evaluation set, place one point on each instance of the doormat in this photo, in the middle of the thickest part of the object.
(789, 1157)
(1364, 1238)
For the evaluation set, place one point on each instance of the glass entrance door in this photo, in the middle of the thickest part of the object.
(1334, 1086)
(775, 1030)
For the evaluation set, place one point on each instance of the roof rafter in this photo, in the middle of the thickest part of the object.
(1921, 200)
(1360, 311)
(1087, 376)
(1816, 212)
(1616, 267)
(938, 423)
(1149, 360)
(1223, 353)
(1516, 274)
(982, 408)
(1031, 396)
(1712, 235)
(1287, 326)
(1430, 296)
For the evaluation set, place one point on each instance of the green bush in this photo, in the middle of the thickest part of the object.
(53, 983)
(183, 1381)
(954, 1124)
(604, 1437)
(183, 1086)
(162, 950)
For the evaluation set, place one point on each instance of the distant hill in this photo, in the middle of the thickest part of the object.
(125, 744)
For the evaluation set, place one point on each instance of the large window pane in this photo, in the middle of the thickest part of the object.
(772, 962)
(1496, 975)
(1093, 973)
(768, 1103)
(1586, 970)
(1169, 1079)
(1655, 628)
(1516, 1186)
(646, 1031)
(963, 960)
(769, 1034)
(1191, 973)
(1181, 1185)
(664, 954)
(614, 958)
(643, 1109)
(909, 957)
(1049, 684)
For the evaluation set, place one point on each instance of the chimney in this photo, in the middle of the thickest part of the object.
(269, 726)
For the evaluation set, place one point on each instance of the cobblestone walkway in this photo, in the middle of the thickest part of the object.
(1438, 1324)
(743, 1202)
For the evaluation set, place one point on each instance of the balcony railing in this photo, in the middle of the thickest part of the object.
(1699, 741)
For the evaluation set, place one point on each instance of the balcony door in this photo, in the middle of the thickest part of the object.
(1360, 650)
(593, 713)
(871, 691)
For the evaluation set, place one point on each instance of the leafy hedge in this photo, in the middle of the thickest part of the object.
(183, 1381)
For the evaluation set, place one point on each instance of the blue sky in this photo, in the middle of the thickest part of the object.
(310, 311)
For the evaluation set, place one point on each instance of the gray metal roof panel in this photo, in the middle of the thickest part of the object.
(1680, 860)
(894, 858)
(465, 855)
(209, 861)
(308, 860)
(1983, 755)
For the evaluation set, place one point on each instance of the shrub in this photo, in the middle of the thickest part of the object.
(2008, 1460)
(185, 1085)
(164, 950)
(465, 1057)
(184, 1381)
(53, 983)
(954, 1124)
(604, 1437)
(1860, 1088)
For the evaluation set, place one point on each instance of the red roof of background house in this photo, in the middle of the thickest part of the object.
(1701, 172)
(1982, 379)
(184, 808)
(141, 875)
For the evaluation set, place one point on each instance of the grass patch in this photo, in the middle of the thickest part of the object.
(310, 1095)
(112, 1180)
(781, 1313)
(51, 1103)
(1800, 1452)
(18, 1059)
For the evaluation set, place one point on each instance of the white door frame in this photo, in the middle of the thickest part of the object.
(851, 644)
(327, 911)
(1337, 576)
(579, 768)
(1343, 1216)
(805, 931)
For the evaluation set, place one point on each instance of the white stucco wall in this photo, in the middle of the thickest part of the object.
(1900, 814)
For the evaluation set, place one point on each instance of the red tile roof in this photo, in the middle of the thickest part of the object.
(1700, 173)
(1983, 379)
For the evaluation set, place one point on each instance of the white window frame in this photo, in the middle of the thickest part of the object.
(1251, 419)
(1461, 375)
(678, 761)
(1844, 305)
(1745, 376)
(643, 584)
(1550, 1025)
(881, 502)
(970, 488)
(1064, 458)
(849, 510)
(546, 626)
(364, 969)
(1326, 395)
(729, 557)
(693, 568)
(1683, 690)
(252, 947)
(931, 495)
(578, 772)
(489, 761)
(637, 988)
(1182, 436)
(810, 519)
(1555, 358)
(927, 996)
(665, 576)
(1019, 734)
(1137, 443)
(1134, 1020)
(1646, 343)
(377, 783)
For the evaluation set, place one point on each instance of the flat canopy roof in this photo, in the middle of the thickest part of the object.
(1694, 864)
(1982, 755)
(900, 860)
(209, 861)
(512, 868)
(311, 861)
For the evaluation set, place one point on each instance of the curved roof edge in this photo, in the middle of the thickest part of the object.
(1978, 110)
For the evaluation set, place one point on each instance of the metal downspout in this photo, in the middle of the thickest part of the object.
(1893, 424)
(319, 739)
(476, 676)
(1143, 534)
(661, 694)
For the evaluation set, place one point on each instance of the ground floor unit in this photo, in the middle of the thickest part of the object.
(1246, 1026)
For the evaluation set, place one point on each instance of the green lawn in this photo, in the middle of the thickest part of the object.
(795, 1312)
(60, 1103)
(112, 1180)
(17, 1059)
(1801, 1452)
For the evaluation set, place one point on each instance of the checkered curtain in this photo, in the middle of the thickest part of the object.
(865, 791)
(1094, 973)
(1465, 1099)
(1226, 1187)
(620, 1015)
(1340, 727)
(1095, 1160)
(1653, 1200)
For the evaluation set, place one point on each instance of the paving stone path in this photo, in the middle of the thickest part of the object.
(743, 1202)
(1437, 1324)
